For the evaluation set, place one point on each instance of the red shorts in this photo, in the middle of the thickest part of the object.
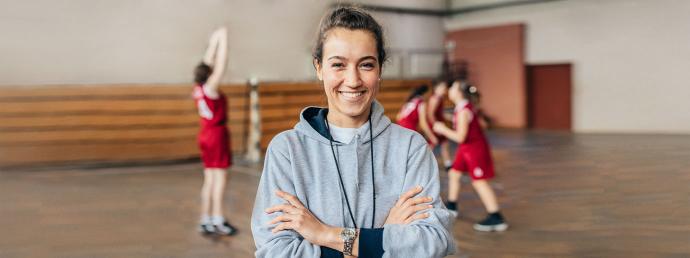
(214, 144)
(474, 159)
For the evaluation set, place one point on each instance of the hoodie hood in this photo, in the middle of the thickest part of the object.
(312, 123)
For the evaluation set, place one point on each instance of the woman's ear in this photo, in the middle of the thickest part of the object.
(317, 66)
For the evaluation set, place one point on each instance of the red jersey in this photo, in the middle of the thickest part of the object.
(474, 130)
(409, 114)
(213, 112)
(214, 138)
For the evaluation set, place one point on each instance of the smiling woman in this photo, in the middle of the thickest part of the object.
(345, 180)
(350, 75)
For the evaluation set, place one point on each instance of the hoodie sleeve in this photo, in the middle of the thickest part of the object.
(430, 237)
(277, 174)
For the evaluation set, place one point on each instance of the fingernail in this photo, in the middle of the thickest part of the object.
(430, 206)
(419, 187)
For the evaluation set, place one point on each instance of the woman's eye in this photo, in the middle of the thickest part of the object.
(337, 65)
(367, 65)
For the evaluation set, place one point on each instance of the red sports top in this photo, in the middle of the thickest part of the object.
(475, 135)
(409, 114)
(213, 112)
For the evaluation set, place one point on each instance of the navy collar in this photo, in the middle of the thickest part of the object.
(316, 117)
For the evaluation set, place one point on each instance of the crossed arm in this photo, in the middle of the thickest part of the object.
(298, 218)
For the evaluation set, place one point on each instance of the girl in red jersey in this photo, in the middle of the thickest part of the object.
(214, 137)
(473, 156)
(435, 113)
(412, 117)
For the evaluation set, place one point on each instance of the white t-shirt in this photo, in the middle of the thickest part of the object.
(345, 135)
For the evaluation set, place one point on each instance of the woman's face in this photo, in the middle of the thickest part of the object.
(454, 93)
(441, 89)
(350, 73)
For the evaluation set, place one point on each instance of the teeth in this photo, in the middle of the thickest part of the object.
(352, 94)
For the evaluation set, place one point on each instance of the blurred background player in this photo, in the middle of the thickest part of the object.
(214, 137)
(411, 115)
(473, 156)
(435, 113)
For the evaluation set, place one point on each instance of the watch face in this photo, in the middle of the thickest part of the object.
(347, 233)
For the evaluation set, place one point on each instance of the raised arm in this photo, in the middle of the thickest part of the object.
(216, 57)
(211, 49)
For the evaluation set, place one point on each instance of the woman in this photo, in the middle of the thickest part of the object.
(412, 117)
(213, 138)
(435, 113)
(345, 180)
(472, 156)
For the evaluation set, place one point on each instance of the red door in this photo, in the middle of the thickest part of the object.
(549, 96)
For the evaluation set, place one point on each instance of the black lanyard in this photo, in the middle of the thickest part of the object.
(340, 176)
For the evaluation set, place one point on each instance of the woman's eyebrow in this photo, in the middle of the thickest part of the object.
(345, 59)
(338, 57)
(367, 57)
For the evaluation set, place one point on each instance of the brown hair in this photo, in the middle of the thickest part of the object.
(352, 18)
(201, 73)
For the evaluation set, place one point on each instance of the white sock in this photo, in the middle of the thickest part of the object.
(217, 220)
(447, 163)
(205, 219)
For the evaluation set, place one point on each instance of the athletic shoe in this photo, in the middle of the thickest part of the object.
(225, 229)
(206, 229)
(492, 222)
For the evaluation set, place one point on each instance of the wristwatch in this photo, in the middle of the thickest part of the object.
(348, 235)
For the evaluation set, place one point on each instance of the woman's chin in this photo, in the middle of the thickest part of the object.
(353, 111)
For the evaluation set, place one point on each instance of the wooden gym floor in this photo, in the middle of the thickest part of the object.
(564, 195)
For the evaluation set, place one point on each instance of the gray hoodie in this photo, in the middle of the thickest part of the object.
(300, 162)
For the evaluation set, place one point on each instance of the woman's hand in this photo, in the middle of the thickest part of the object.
(406, 208)
(298, 218)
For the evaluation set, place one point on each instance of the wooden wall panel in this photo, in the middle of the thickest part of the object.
(45, 125)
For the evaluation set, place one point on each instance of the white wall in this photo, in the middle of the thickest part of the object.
(151, 41)
(415, 44)
(630, 58)
(159, 41)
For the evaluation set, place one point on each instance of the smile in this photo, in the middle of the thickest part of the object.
(353, 95)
